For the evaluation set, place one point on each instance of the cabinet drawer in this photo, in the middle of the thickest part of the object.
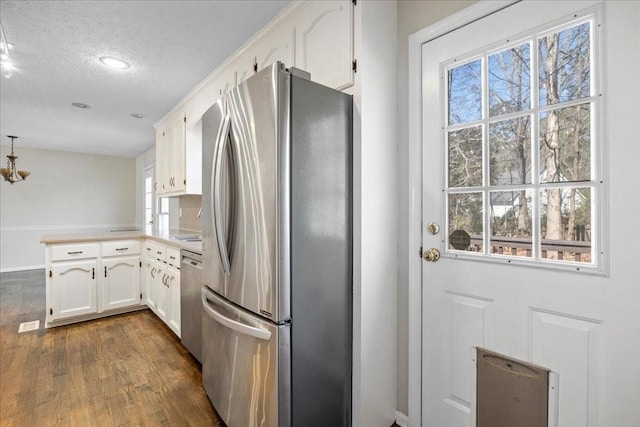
(74, 251)
(155, 250)
(173, 256)
(121, 247)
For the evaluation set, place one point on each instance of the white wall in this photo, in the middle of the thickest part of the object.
(65, 192)
(412, 16)
(375, 214)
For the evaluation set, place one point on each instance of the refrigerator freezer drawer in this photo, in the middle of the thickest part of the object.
(247, 369)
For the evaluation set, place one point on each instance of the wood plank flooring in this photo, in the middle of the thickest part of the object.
(118, 371)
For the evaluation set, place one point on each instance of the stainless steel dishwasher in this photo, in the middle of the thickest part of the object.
(191, 302)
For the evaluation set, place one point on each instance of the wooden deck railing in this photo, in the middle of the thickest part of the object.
(512, 245)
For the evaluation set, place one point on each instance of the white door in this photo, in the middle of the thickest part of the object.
(530, 151)
(73, 286)
(173, 314)
(120, 282)
(324, 42)
(162, 294)
(149, 282)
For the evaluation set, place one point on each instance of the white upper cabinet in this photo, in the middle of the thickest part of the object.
(178, 159)
(208, 92)
(316, 37)
(244, 66)
(178, 180)
(275, 46)
(162, 159)
(324, 42)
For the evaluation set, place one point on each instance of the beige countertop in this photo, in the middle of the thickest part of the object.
(103, 234)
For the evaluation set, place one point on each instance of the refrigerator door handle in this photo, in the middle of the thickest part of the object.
(233, 324)
(216, 189)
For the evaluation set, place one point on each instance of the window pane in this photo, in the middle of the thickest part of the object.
(465, 221)
(509, 80)
(565, 65)
(565, 215)
(465, 93)
(511, 222)
(510, 147)
(148, 185)
(164, 205)
(565, 144)
(465, 157)
(163, 222)
(148, 216)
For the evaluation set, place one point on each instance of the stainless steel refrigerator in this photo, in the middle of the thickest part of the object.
(277, 243)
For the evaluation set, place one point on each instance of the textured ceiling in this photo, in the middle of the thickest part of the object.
(171, 46)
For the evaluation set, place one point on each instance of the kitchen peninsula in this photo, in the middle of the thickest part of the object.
(99, 273)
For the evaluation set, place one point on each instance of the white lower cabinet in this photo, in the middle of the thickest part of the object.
(72, 289)
(162, 274)
(173, 287)
(147, 282)
(161, 292)
(121, 282)
(90, 280)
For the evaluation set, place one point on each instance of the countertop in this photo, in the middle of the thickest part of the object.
(102, 234)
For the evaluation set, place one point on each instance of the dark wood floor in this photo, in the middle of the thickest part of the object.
(122, 370)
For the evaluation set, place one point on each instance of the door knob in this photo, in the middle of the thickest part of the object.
(431, 255)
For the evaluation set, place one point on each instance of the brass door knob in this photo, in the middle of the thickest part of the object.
(431, 255)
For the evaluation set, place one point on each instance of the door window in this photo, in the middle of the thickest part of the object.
(520, 136)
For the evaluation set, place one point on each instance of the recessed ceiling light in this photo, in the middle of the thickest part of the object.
(136, 115)
(80, 105)
(112, 62)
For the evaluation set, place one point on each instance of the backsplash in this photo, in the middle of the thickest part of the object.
(189, 208)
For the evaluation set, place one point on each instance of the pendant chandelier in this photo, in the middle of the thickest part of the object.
(10, 173)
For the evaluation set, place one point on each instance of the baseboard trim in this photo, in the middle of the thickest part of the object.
(401, 419)
(25, 268)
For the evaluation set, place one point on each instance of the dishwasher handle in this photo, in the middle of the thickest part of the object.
(192, 263)
(233, 324)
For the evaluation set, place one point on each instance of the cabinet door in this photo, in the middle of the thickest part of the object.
(73, 289)
(120, 282)
(177, 159)
(173, 318)
(162, 292)
(277, 45)
(224, 81)
(163, 153)
(244, 66)
(148, 283)
(324, 42)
